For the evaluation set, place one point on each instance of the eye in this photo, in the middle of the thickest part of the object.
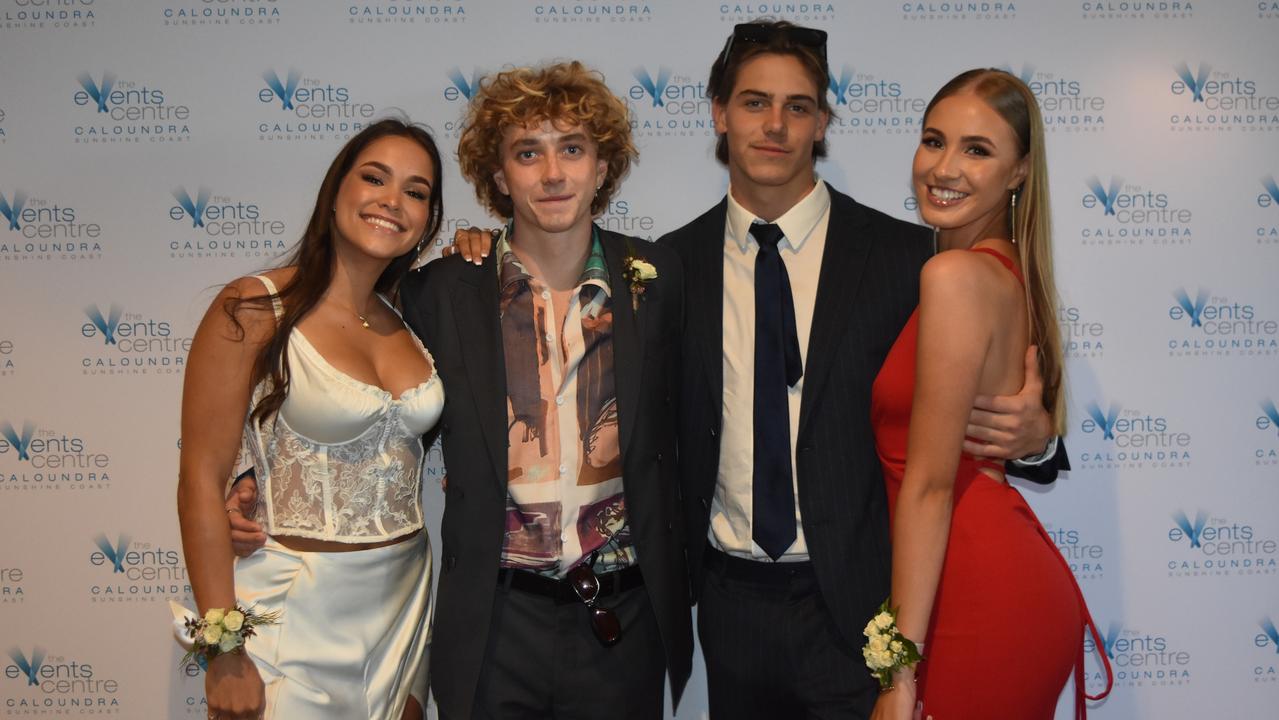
(931, 141)
(977, 150)
(525, 155)
(418, 194)
(754, 103)
(371, 179)
(798, 108)
(573, 150)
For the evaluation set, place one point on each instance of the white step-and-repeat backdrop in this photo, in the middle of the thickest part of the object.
(151, 150)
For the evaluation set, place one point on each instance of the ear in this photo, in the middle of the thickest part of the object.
(719, 115)
(823, 119)
(601, 172)
(499, 177)
(1020, 173)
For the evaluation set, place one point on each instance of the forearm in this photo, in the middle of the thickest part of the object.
(921, 529)
(206, 543)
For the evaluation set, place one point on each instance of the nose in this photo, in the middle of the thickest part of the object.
(775, 120)
(947, 166)
(552, 170)
(390, 197)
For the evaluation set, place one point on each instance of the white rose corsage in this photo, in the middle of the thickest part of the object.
(638, 273)
(886, 648)
(222, 631)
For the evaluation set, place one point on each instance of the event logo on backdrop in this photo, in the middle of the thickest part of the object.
(1127, 10)
(1115, 437)
(590, 11)
(39, 228)
(1083, 334)
(1209, 99)
(1206, 545)
(1138, 657)
(294, 107)
(41, 458)
(221, 14)
(424, 12)
(1066, 102)
(1086, 556)
(1210, 325)
(664, 103)
(222, 226)
(457, 95)
(113, 110)
(802, 13)
(126, 570)
(8, 366)
(1124, 214)
(627, 217)
(38, 683)
(1266, 659)
(4, 135)
(13, 590)
(867, 103)
(47, 15)
(1268, 9)
(1266, 426)
(1268, 219)
(116, 342)
(957, 10)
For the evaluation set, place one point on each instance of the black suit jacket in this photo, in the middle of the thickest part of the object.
(867, 288)
(453, 306)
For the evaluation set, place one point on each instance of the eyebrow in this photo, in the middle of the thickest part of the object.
(575, 137)
(387, 169)
(769, 96)
(964, 138)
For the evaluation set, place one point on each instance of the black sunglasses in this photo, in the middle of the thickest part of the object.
(604, 622)
(762, 33)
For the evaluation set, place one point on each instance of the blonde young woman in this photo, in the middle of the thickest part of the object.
(980, 585)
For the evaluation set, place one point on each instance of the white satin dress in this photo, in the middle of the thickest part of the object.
(341, 461)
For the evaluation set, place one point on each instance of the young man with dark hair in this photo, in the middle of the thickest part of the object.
(795, 294)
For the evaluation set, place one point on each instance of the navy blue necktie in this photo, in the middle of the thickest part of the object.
(777, 366)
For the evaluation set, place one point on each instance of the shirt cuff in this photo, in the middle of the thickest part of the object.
(1032, 460)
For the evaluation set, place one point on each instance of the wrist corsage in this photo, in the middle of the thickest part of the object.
(886, 649)
(222, 631)
(638, 273)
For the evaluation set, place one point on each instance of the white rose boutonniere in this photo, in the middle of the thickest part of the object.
(638, 273)
(221, 631)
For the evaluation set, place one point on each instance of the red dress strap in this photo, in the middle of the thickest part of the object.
(1003, 259)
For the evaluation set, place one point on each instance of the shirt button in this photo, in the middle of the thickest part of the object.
(559, 400)
(550, 337)
(563, 469)
(546, 294)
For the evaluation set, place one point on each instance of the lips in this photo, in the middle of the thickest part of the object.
(556, 199)
(771, 149)
(382, 223)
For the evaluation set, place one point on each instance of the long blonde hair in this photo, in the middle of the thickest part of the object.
(1031, 221)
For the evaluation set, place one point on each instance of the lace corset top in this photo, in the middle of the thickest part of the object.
(342, 460)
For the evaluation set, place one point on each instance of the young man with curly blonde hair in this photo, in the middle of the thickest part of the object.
(563, 590)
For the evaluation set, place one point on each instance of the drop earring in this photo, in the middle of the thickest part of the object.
(1012, 217)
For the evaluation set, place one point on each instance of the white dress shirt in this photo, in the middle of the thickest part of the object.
(804, 226)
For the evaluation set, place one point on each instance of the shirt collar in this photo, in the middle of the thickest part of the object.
(797, 223)
(511, 270)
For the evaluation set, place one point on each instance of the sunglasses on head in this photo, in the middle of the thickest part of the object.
(604, 622)
(763, 33)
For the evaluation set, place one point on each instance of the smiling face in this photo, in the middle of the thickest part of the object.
(551, 173)
(968, 162)
(771, 120)
(383, 204)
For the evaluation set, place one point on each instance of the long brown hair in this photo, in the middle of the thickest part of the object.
(314, 258)
(1031, 224)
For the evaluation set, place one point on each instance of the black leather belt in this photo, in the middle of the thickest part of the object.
(759, 571)
(561, 591)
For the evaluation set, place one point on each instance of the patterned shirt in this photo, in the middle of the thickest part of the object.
(564, 491)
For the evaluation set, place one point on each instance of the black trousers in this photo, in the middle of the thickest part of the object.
(772, 649)
(543, 661)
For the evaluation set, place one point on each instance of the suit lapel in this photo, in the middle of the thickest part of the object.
(843, 262)
(704, 300)
(479, 329)
(628, 336)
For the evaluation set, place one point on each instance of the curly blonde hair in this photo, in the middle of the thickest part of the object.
(566, 92)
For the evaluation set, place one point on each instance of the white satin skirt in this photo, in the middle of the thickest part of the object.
(354, 628)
